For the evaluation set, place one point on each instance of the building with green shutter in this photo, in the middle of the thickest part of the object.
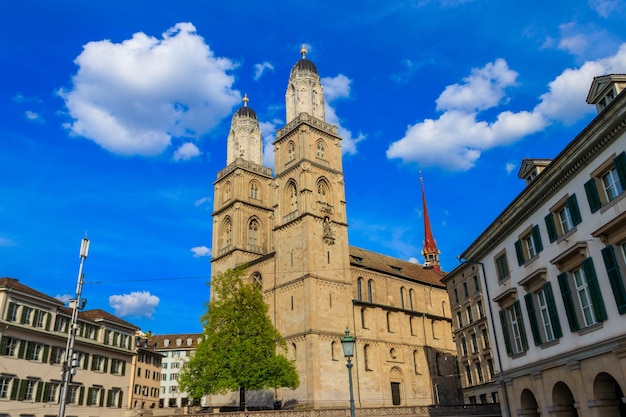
(33, 336)
(552, 271)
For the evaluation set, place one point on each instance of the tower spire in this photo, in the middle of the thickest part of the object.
(430, 252)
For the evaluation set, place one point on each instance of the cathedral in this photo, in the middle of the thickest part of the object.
(290, 228)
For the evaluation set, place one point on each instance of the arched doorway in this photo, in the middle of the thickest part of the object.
(563, 401)
(395, 378)
(608, 396)
(529, 406)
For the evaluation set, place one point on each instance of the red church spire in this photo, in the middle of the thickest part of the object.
(430, 252)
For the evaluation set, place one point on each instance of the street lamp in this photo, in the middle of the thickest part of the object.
(347, 343)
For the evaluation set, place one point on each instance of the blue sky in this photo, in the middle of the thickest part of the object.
(115, 116)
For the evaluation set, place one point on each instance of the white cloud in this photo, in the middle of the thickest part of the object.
(605, 7)
(6, 242)
(135, 304)
(457, 138)
(21, 98)
(268, 130)
(483, 89)
(33, 116)
(186, 151)
(65, 298)
(414, 260)
(509, 167)
(572, 40)
(132, 97)
(202, 200)
(337, 88)
(200, 251)
(259, 69)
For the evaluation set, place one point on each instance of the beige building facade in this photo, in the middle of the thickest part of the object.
(33, 335)
(555, 270)
(290, 228)
(145, 375)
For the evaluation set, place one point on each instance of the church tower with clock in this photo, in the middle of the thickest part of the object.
(290, 229)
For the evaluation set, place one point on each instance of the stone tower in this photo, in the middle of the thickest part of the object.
(242, 216)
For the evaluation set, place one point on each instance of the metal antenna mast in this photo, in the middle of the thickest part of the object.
(69, 363)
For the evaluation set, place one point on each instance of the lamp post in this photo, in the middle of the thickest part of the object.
(347, 343)
(70, 362)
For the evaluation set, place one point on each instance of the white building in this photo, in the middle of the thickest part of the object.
(555, 268)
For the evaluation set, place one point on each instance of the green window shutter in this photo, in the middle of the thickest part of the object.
(36, 314)
(620, 167)
(594, 290)
(537, 238)
(40, 389)
(94, 360)
(23, 318)
(106, 365)
(615, 278)
(123, 368)
(532, 315)
(102, 391)
(572, 204)
(81, 395)
(46, 350)
(112, 366)
(30, 347)
(119, 399)
(522, 329)
(22, 392)
(592, 195)
(46, 392)
(15, 389)
(554, 316)
(3, 345)
(48, 320)
(552, 235)
(519, 252)
(11, 308)
(505, 332)
(86, 362)
(21, 353)
(52, 354)
(568, 301)
(106, 336)
(110, 397)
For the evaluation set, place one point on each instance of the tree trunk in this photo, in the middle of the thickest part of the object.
(242, 399)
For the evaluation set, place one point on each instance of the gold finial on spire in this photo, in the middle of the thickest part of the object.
(303, 51)
(245, 99)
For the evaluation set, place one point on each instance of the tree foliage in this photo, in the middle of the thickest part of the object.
(239, 347)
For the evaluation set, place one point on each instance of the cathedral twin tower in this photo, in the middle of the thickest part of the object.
(290, 231)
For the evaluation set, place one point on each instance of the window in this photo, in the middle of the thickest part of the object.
(459, 319)
(411, 296)
(479, 307)
(253, 233)
(474, 343)
(513, 329)
(254, 190)
(463, 346)
(607, 182)
(4, 387)
(468, 373)
(51, 390)
(291, 151)
(57, 355)
(481, 379)
(581, 296)
(490, 368)
(370, 291)
(323, 192)
(118, 367)
(456, 296)
(8, 346)
(529, 245)
(485, 336)
(27, 312)
(27, 390)
(227, 191)
(402, 297)
(228, 232)
(470, 318)
(93, 396)
(40, 319)
(99, 364)
(502, 266)
(61, 324)
(12, 312)
(465, 292)
(563, 217)
(292, 193)
(34, 351)
(75, 394)
(359, 289)
(257, 281)
(321, 150)
(544, 319)
(476, 286)
(114, 397)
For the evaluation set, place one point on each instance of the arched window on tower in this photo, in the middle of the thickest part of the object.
(227, 191)
(292, 191)
(291, 151)
(323, 191)
(411, 296)
(254, 190)
(228, 232)
(402, 291)
(370, 291)
(253, 234)
(321, 149)
(359, 289)
(257, 281)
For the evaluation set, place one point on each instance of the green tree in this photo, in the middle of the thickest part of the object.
(239, 347)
